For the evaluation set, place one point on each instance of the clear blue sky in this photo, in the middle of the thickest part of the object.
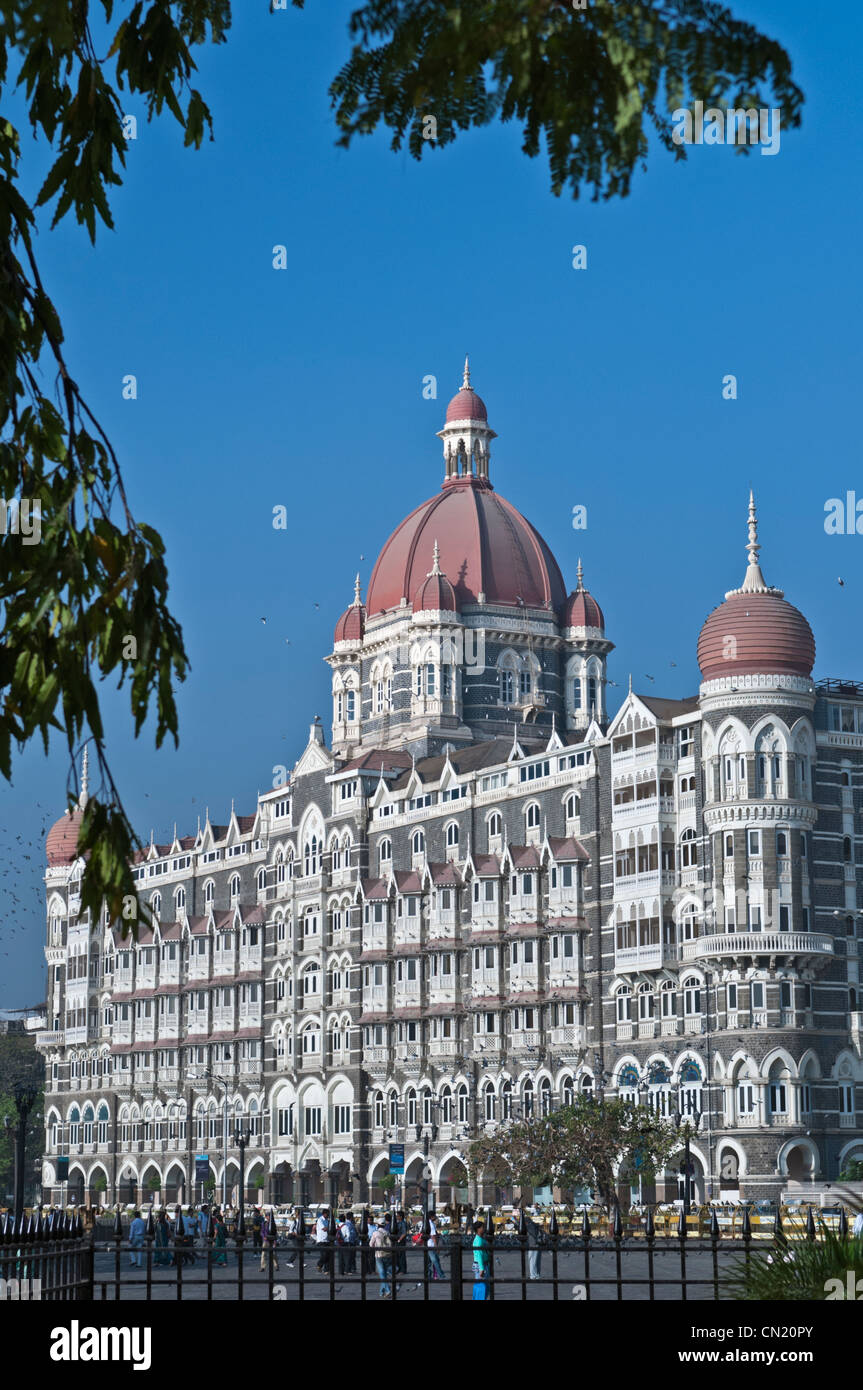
(303, 387)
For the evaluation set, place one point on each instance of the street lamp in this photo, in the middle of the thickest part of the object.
(201, 1076)
(689, 1123)
(241, 1139)
(24, 1094)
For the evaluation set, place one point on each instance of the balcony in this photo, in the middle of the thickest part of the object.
(50, 1039)
(648, 957)
(376, 1057)
(443, 1047)
(567, 1039)
(784, 943)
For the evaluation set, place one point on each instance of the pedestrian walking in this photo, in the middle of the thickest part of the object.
(535, 1241)
(322, 1238)
(380, 1243)
(350, 1239)
(857, 1228)
(137, 1230)
(220, 1238)
(257, 1230)
(269, 1237)
(291, 1229)
(163, 1240)
(480, 1262)
(400, 1241)
(204, 1224)
(433, 1249)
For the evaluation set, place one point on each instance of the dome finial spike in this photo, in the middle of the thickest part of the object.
(466, 386)
(580, 574)
(85, 779)
(357, 599)
(435, 569)
(753, 582)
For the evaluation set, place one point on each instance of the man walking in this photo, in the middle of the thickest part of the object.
(322, 1236)
(433, 1249)
(348, 1250)
(137, 1229)
(400, 1242)
(535, 1239)
(381, 1245)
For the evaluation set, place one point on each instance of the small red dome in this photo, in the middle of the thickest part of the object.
(351, 624)
(61, 845)
(582, 610)
(435, 595)
(756, 633)
(466, 405)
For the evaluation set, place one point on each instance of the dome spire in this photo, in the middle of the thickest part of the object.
(753, 580)
(84, 797)
(579, 574)
(357, 599)
(466, 386)
(435, 569)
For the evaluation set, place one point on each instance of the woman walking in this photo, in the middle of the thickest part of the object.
(381, 1245)
(163, 1240)
(480, 1263)
(220, 1233)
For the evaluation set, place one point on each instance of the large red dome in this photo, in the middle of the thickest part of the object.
(61, 845)
(758, 633)
(486, 548)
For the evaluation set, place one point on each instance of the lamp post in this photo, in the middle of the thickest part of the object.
(241, 1139)
(689, 1124)
(211, 1075)
(24, 1094)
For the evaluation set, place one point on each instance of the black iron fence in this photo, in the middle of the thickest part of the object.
(54, 1258)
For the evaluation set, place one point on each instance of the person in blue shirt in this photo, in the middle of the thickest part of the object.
(480, 1262)
(137, 1231)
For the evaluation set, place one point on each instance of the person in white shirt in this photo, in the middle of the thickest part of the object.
(857, 1228)
(322, 1235)
(433, 1244)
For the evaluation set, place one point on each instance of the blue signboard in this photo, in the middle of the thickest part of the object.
(202, 1167)
(397, 1158)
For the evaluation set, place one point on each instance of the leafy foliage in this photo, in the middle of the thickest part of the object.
(87, 599)
(795, 1271)
(590, 84)
(583, 1144)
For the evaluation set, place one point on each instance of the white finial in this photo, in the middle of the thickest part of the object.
(753, 581)
(435, 569)
(357, 599)
(83, 798)
(580, 574)
(630, 682)
(466, 386)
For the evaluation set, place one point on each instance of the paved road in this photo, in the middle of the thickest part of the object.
(571, 1270)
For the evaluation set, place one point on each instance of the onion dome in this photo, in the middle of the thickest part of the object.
(581, 609)
(61, 844)
(466, 404)
(351, 624)
(755, 631)
(435, 594)
(491, 554)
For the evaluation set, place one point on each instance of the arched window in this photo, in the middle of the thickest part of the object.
(567, 1091)
(688, 850)
(461, 1101)
(692, 995)
(418, 842)
(261, 880)
(385, 854)
(379, 1109)
(495, 825)
(545, 1096)
(571, 807)
(576, 692)
(506, 1101)
(74, 1125)
(102, 1123)
(179, 902)
(531, 816)
(489, 1101)
(452, 835)
(88, 1123)
(527, 1099)
(209, 891)
(234, 887)
(427, 1106)
(311, 856)
(156, 904)
(507, 687)
(411, 1106)
(624, 1004)
(446, 1106)
(311, 1039)
(394, 1109)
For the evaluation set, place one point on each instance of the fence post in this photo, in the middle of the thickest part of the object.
(681, 1235)
(522, 1238)
(489, 1232)
(553, 1235)
(585, 1236)
(301, 1251)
